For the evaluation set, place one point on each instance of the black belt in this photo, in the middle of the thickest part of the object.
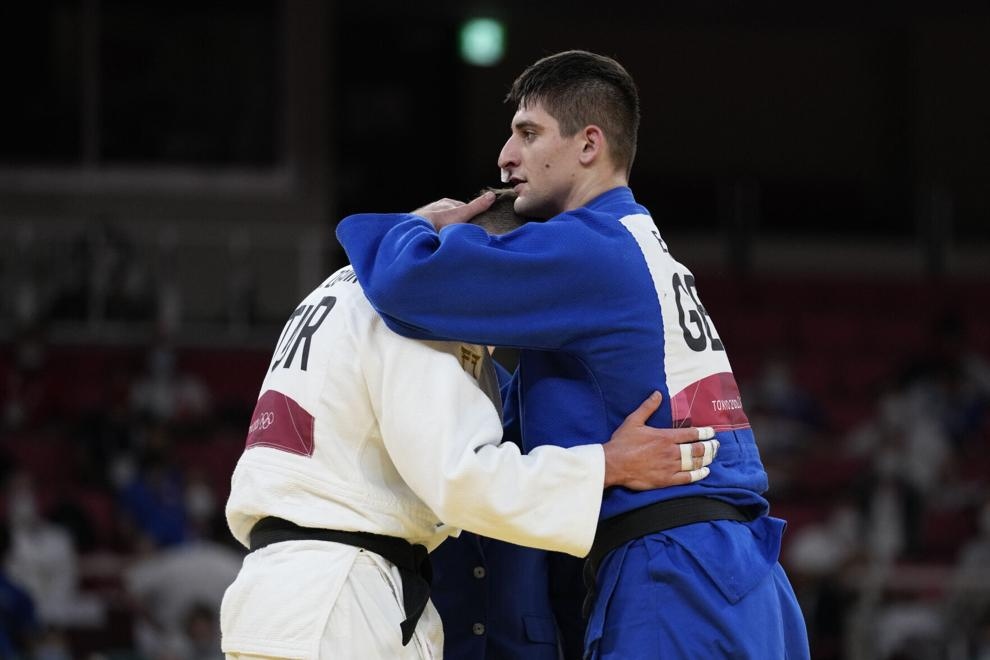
(413, 561)
(619, 530)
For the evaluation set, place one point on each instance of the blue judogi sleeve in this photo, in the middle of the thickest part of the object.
(603, 315)
(409, 272)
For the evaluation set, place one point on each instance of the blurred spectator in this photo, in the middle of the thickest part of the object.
(891, 510)
(775, 391)
(164, 394)
(967, 611)
(153, 500)
(908, 451)
(105, 443)
(818, 556)
(823, 549)
(177, 592)
(23, 388)
(43, 558)
(201, 502)
(18, 621)
(789, 421)
(907, 628)
(202, 628)
(950, 378)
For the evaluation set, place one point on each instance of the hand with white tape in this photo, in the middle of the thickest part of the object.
(642, 457)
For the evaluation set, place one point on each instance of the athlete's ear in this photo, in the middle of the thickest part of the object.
(592, 144)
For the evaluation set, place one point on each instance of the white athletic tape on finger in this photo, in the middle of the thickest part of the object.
(709, 452)
(687, 461)
(705, 433)
(699, 474)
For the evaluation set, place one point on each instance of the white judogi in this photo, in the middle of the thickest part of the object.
(360, 429)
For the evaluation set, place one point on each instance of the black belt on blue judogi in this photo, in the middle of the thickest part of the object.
(657, 517)
(413, 561)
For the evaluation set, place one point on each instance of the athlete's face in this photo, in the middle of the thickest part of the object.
(541, 165)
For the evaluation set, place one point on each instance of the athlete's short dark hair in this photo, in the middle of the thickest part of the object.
(579, 88)
(499, 218)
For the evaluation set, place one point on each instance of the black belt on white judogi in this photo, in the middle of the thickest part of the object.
(413, 561)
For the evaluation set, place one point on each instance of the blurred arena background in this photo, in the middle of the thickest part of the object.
(171, 174)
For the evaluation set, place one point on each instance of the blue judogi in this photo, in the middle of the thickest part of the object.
(604, 315)
(500, 601)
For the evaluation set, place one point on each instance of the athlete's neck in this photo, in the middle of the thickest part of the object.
(592, 187)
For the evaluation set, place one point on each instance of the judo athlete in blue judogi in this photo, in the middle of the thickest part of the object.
(603, 315)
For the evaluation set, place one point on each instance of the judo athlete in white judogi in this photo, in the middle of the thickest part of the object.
(363, 444)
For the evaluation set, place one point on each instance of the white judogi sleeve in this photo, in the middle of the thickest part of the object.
(427, 401)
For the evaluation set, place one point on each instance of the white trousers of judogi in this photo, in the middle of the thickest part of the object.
(315, 600)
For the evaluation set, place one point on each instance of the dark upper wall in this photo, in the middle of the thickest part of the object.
(829, 118)
(837, 118)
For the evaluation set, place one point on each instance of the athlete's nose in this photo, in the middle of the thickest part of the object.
(508, 157)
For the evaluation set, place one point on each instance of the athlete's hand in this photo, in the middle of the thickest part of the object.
(642, 457)
(445, 211)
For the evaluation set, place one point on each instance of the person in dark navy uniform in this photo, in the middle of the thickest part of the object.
(496, 602)
(500, 601)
